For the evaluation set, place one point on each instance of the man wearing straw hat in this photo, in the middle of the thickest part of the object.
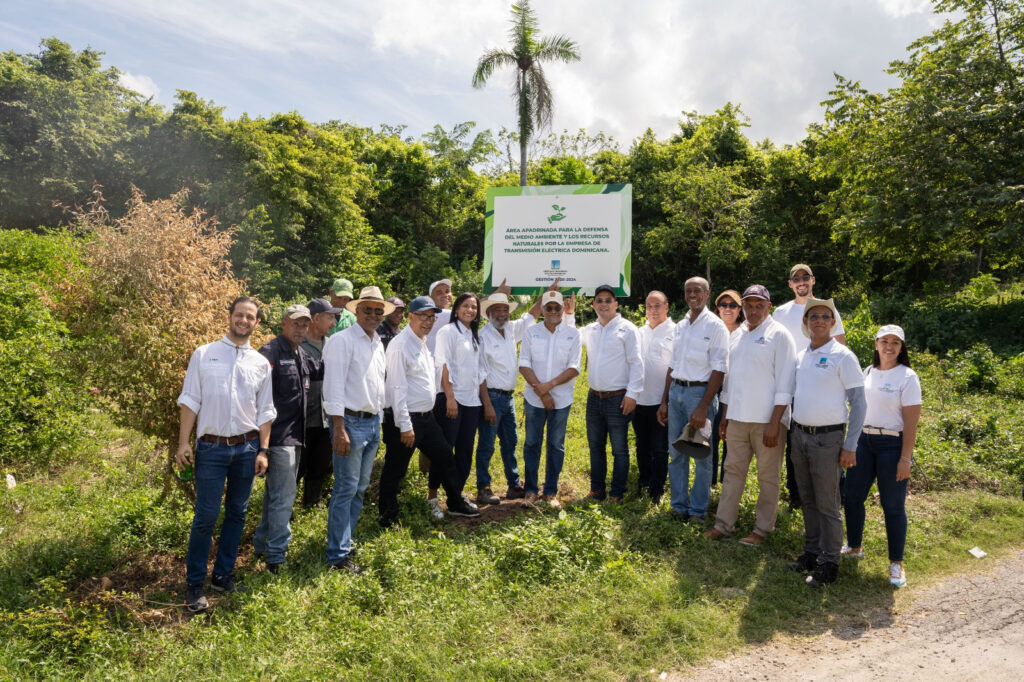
(354, 398)
(498, 341)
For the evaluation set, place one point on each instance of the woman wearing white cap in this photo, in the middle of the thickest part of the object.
(885, 448)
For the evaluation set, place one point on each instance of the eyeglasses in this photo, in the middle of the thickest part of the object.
(819, 317)
(426, 317)
(372, 311)
(599, 301)
(801, 278)
(728, 304)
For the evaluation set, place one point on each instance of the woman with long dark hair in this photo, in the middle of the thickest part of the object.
(457, 362)
(885, 449)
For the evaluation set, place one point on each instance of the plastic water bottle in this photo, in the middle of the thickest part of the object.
(186, 473)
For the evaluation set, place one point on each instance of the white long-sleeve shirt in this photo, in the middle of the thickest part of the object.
(549, 354)
(409, 383)
(700, 348)
(440, 321)
(762, 371)
(656, 350)
(613, 356)
(455, 350)
(229, 389)
(498, 360)
(353, 372)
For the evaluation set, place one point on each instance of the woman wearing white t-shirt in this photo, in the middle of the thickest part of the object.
(885, 448)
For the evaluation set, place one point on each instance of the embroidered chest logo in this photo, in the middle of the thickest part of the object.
(823, 363)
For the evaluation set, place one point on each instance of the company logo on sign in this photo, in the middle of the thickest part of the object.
(558, 215)
(555, 264)
(555, 270)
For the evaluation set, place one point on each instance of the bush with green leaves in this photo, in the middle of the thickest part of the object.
(43, 403)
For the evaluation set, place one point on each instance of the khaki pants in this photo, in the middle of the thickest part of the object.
(745, 441)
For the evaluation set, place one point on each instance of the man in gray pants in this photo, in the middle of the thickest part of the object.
(824, 436)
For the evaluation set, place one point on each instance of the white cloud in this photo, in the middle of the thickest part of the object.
(140, 83)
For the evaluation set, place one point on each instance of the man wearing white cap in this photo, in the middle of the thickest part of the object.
(292, 372)
(354, 398)
(828, 377)
(756, 395)
(498, 341)
(441, 293)
(549, 360)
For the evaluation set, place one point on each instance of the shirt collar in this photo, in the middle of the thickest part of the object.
(244, 346)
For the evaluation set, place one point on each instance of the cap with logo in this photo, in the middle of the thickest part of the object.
(757, 291)
(551, 297)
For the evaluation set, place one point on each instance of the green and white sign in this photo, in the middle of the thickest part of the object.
(579, 233)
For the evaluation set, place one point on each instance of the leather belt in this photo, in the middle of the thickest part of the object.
(815, 430)
(364, 415)
(500, 390)
(871, 430)
(230, 440)
(608, 394)
(422, 415)
(680, 382)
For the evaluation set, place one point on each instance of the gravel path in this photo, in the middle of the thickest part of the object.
(970, 627)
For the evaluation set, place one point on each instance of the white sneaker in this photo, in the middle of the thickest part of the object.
(435, 508)
(848, 552)
(897, 576)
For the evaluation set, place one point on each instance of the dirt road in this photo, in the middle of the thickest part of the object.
(969, 627)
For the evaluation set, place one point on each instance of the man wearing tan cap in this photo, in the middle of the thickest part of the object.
(498, 341)
(292, 372)
(354, 399)
(549, 360)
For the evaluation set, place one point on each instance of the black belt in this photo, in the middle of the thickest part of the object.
(500, 390)
(422, 415)
(364, 415)
(230, 440)
(815, 430)
(680, 382)
(603, 395)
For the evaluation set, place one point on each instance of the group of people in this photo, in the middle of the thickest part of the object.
(344, 374)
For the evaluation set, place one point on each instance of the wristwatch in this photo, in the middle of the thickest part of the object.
(260, 451)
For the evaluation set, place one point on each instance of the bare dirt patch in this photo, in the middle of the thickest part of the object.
(968, 627)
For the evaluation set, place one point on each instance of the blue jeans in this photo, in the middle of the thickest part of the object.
(351, 478)
(682, 401)
(557, 421)
(505, 410)
(877, 458)
(274, 531)
(605, 422)
(215, 464)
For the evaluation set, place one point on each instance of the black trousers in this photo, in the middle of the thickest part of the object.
(316, 464)
(431, 442)
(651, 450)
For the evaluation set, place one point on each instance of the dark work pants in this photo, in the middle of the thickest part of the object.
(460, 434)
(315, 465)
(431, 442)
(791, 484)
(651, 450)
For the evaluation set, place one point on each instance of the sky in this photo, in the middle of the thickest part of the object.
(405, 62)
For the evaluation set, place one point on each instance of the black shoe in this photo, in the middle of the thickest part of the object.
(275, 568)
(807, 563)
(825, 574)
(681, 517)
(226, 584)
(196, 600)
(656, 499)
(516, 493)
(460, 506)
(347, 564)
(695, 520)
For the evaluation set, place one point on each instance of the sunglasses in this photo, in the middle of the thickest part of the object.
(819, 317)
(372, 311)
(728, 304)
(798, 280)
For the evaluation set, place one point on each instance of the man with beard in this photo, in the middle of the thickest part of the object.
(227, 396)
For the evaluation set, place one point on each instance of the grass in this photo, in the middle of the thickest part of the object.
(593, 592)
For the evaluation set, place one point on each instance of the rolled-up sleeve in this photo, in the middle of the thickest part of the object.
(335, 359)
(395, 376)
(635, 384)
(719, 348)
(576, 353)
(525, 356)
(785, 368)
(192, 390)
(265, 410)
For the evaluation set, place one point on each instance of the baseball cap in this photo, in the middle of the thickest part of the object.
(342, 287)
(605, 287)
(397, 302)
(757, 291)
(893, 329)
(433, 285)
(322, 305)
(551, 297)
(798, 267)
(422, 304)
(297, 311)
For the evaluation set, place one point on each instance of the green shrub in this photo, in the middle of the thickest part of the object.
(974, 369)
(860, 332)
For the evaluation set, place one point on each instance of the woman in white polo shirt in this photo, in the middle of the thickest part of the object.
(885, 448)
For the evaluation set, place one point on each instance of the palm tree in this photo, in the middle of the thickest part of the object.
(532, 92)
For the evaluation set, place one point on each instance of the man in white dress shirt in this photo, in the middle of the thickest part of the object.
(615, 373)
(651, 434)
(498, 344)
(409, 392)
(549, 360)
(756, 396)
(228, 398)
(354, 399)
(700, 359)
(440, 293)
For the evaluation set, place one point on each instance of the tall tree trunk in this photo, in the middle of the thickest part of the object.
(523, 133)
(522, 160)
